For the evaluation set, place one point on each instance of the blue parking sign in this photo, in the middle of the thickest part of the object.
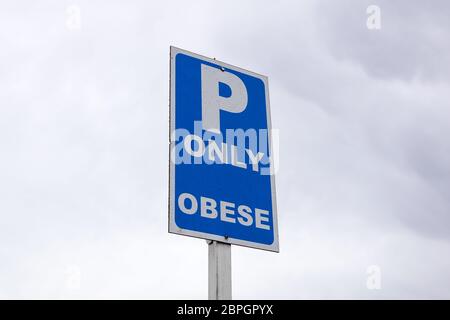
(221, 179)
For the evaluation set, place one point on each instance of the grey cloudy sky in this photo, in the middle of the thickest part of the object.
(364, 120)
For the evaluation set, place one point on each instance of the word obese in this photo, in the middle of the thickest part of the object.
(226, 211)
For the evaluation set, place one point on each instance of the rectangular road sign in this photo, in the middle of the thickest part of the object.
(221, 180)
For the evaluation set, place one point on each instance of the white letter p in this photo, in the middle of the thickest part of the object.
(212, 102)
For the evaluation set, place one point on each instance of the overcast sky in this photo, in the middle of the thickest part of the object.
(364, 122)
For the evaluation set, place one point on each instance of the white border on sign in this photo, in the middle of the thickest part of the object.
(173, 228)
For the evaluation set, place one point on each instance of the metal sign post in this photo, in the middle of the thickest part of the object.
(222, 165)
(219, 270)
